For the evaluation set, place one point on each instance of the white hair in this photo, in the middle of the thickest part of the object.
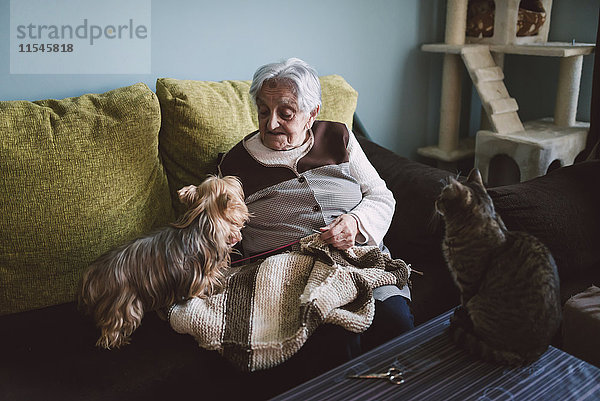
(304, 79)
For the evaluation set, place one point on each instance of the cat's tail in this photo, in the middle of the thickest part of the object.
(461, 332)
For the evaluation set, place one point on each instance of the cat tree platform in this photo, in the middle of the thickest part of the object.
(548, 49)
(464, 148)
(533, 149)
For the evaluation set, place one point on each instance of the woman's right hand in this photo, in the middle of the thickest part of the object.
(341, 233)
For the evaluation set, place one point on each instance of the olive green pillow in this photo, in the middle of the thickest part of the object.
(201, 119)
(78, 177)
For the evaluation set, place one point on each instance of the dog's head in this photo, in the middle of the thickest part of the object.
(221, 202)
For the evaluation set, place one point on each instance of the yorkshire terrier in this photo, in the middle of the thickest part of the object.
(184, 260)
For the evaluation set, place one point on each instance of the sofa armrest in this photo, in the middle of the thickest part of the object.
(415, 234)
(562, 210)
(416, 230)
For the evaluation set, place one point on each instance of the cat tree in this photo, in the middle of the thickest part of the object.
(533, 145)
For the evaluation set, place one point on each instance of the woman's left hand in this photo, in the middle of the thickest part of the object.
(341, 233)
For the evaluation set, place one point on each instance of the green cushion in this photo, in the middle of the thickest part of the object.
(78, 177)
(201, 119)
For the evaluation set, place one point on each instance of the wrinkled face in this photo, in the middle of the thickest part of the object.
(281, 124)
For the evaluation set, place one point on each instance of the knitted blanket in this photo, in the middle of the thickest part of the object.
(269, 308)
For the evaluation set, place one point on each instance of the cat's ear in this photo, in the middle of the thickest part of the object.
(475, 176)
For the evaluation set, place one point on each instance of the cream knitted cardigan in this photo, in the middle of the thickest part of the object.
(269, 308)
(373, 214)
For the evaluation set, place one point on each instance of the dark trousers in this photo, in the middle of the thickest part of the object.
(392, 318)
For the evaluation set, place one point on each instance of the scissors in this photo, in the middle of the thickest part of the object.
(393, 375)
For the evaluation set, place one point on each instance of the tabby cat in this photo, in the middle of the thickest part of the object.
(510, 300)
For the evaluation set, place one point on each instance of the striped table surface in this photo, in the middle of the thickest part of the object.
(435, 369)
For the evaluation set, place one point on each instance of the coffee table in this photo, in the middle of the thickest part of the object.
(436, 369)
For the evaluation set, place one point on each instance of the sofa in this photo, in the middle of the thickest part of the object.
(82, 175)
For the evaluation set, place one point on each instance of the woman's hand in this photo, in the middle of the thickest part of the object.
(341, 233)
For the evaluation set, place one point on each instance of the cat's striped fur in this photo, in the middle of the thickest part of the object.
(510, 299)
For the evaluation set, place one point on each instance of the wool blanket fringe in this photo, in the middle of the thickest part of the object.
(270, 307)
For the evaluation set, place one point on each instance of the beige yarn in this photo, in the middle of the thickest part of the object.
(269, 308)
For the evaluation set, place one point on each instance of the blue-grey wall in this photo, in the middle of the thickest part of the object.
(373, 44)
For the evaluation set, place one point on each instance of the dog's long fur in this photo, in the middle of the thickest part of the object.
(178, 262)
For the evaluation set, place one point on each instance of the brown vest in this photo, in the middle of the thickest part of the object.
(329, 147)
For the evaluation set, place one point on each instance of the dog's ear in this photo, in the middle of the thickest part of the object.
(222, 201)
(188, 195)
(235, 193)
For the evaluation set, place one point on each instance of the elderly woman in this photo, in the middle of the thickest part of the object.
(301, 175)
